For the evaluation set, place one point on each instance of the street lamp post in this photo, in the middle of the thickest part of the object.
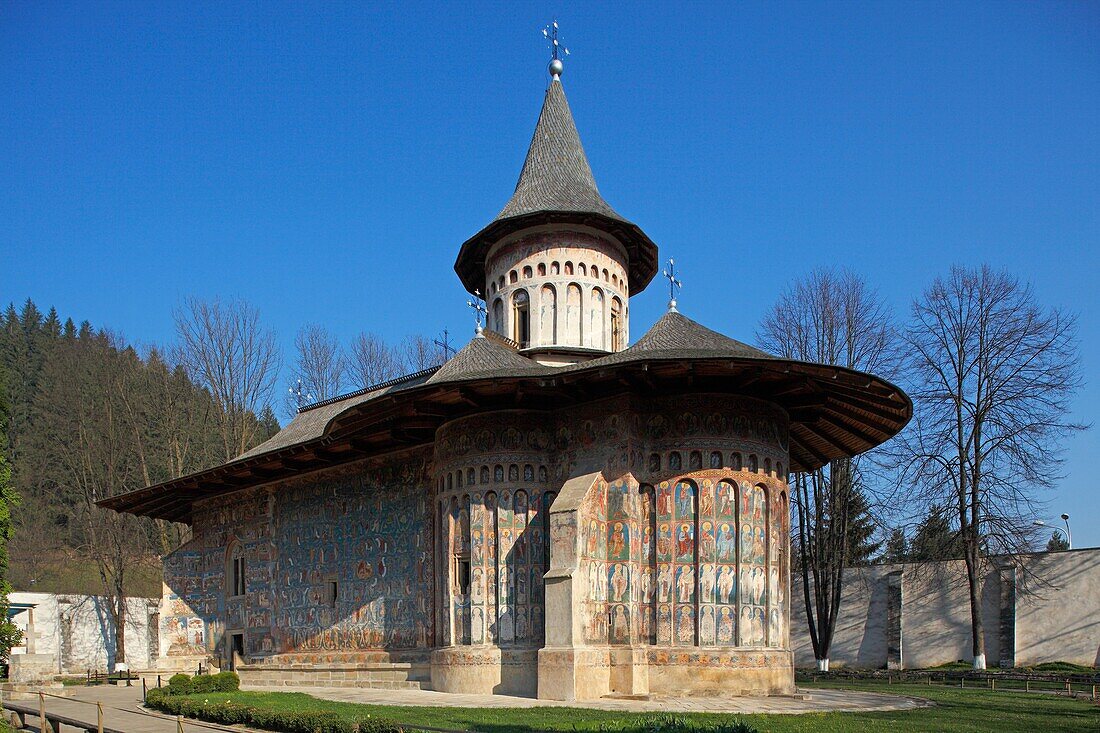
(1068, 536)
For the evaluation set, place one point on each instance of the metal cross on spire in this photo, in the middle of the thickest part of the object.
(445, 344)
(301, 396)
(478, 304)
(550, 33)
(673, 283)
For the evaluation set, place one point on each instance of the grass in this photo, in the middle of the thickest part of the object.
(955, 711)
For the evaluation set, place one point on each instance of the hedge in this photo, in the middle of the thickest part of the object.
(284, 721)
(181, 684)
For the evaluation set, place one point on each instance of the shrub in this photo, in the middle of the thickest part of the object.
(284, 721)
(179, 684)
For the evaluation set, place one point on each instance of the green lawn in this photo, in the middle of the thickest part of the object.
(955, 711)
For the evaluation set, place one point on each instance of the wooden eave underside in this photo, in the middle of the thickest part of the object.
(833, 413)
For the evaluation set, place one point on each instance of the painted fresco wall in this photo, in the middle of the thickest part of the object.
(367, 530)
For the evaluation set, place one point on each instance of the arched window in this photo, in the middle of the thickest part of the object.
(571, 335)
(674, 461)
(754, 464)
(616, 324)
(568, 268)
(498, 316)
(469, 477)
(541, 269)
(501, 282)
(235, 585)
(458, 479)
(555, 268)
(583, 269)
(768, 466)
(695, 460)
(528, 273)
(654, 462)
(493, 288)
(595, 272)
(521, 319)
(484, 474)
(513, 277)
(615, 280)
(735, 461)
(596, 320)
(779, 472)
(606, 277)
(715, 459)
(548, 315)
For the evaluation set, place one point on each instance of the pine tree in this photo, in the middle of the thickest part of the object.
(934, 538)
(861, 531)
(897, 547)
(1057, 543)
(10, 635)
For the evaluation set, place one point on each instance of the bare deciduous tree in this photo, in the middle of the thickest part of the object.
(226, 350)
(420, 352)
(992, 374)
(373, 361)
(831, 317)
(320, 363)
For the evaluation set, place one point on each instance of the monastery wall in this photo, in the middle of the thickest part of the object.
(917, 615)
(335, 564)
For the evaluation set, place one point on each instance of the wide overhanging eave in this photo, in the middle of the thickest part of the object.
(833, 413)
(641, 251)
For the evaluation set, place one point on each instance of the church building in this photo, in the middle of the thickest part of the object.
(554, 512)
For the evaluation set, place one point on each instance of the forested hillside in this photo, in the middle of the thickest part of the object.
(91, 416)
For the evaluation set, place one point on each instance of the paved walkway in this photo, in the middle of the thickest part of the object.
(122, 705)
(808, 701)
(121, 711)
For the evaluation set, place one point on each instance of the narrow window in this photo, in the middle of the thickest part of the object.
(674, 461)
(616, 325)
(527, 273)
(521, 319)
(555, 268)
(513, 277)
(542, 269)
(754, 465)
(568, 268)
(715, 459)
(462, 574)
(333, 593)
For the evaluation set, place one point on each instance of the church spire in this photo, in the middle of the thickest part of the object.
(556, 175)
(556, 187)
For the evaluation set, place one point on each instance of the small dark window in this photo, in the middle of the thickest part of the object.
(498, 473)
(715, 459)
(333, 593)
(736, 461)
(513, 472)
(528, 472)
(754, 465)
(696, 460)
(674, 461)
(463, 575)
(484, 474)
(470, 476)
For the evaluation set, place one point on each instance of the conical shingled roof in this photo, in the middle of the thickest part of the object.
(556, 175)
(482, 358)
(556, 186)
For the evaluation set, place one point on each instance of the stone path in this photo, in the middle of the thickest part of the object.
(120, 711)
(121, 705)
(808, 701)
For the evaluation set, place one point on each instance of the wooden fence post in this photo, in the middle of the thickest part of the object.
(179, 724)
(42, 712)
(99, 716)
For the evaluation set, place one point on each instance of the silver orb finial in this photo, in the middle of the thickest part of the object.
(550, 33)
(555, 68)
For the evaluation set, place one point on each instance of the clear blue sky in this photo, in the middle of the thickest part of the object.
(325, 161)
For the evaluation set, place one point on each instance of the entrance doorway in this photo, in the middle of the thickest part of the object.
(236, 649)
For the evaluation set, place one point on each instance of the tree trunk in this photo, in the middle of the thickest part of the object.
(973, 585)
(120, 629)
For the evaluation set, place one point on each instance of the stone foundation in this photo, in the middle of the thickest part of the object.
(486, 670)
